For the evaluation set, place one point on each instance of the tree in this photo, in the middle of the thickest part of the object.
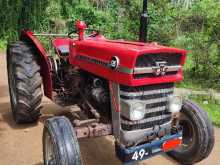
(185, 3)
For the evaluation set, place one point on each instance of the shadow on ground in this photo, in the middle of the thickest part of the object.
(94, 151)
(3, 91)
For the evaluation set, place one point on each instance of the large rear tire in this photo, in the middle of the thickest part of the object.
(198, 135)
(60, 144)
(24, 81)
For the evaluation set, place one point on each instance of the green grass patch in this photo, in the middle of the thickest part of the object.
(198, 83)
(212, 107)
(3, 44)
(190, 84)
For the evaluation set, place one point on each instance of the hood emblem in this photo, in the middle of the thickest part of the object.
(114, 63)
(161, 68)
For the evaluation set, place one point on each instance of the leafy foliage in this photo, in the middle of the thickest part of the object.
(210, 105)
(198, 33)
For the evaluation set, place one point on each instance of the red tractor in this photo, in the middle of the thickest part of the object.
(124, 89)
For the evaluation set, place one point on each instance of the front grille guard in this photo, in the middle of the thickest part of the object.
(128, 136)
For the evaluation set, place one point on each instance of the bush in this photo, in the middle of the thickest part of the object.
(198, 34)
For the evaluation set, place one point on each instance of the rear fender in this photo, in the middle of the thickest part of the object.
(42, 58)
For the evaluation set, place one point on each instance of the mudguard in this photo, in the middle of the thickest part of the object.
(42, 58)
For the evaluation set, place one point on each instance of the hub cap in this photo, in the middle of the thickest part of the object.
(188, 132)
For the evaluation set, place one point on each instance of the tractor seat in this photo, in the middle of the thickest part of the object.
(63, 50)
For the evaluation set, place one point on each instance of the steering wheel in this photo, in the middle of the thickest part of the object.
(72, 32)
(93, 34)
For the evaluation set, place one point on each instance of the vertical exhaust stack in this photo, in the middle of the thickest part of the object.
(144, 23)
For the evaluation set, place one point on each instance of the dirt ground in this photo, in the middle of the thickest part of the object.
(21, 144)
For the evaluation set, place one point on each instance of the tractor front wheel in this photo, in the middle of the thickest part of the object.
(60, 144)
(198, 135)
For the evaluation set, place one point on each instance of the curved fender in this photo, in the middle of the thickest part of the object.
(42, 60)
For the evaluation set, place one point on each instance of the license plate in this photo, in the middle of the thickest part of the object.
(145, 151)
(139, 154)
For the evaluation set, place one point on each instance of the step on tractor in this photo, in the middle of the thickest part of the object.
(119, 88)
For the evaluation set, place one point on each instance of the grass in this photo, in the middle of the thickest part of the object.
(212, 107)
(189, 84)
(3, 44)
(191, 81)
(198, 83)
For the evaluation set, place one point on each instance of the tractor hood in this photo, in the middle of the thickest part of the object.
(128, 63)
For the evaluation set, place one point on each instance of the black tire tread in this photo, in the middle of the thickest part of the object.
(63, 135)
(28, 82)
(209, 138)
(206, 136)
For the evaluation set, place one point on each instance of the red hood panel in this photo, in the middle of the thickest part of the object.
(95, 55)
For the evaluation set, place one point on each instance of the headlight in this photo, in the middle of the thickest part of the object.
(132, 110)
(175, 104)
(137, 111)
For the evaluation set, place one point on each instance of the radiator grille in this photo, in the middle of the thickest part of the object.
(155, 98)
(150, 60)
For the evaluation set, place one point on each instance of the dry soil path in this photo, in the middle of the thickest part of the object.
(21, 144)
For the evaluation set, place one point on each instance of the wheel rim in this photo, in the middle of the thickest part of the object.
(12, 85)
(49, 150)
(188, 132)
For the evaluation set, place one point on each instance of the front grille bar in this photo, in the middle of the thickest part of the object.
(145, 93)
(157, 109)
(157, 100)
(154, 98)
(149, 123)
(145, 70)
(150, 119)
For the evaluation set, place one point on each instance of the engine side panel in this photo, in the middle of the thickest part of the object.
(95, 56)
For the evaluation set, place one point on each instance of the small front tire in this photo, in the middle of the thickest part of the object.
(60, 144)
(198, 135)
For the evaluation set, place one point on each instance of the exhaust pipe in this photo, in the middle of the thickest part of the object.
(144, 23)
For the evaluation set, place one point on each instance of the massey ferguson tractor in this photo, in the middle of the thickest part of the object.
(120, 88)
